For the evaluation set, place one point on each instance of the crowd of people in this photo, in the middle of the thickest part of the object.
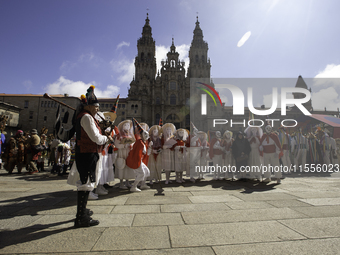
(138, 155)
(31, 151)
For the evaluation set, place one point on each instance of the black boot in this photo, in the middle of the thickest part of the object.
(82, 218)
(64, 169)
(88, 211)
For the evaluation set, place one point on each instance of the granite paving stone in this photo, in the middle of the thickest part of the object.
(17, 222)
(130, 238)
(322, 201)
(71, 210)
(319, 211)
(316, 194)
(265, 196)
(230, 233)
(240, 215)
(194, 207)
(301, 247)
(288, 203)
(159, 219)
(315, 227)
(114, 220)
(48, 240)
(54, 221)
(155, 200)
(174, 251)
(213, 199)
(241, 205)
(136, 209)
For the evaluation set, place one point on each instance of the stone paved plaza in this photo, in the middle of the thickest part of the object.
(299, 216)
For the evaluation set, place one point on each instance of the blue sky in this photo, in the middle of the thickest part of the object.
(63, 46)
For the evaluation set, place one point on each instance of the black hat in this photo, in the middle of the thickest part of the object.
(90, 98)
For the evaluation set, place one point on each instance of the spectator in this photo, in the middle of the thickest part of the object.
(32, 151)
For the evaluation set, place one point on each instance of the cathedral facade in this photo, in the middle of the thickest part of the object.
(165, 94)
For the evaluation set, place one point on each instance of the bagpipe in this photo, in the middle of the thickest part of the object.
(65, 134)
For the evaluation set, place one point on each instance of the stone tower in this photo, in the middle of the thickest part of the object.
(199, 66)
(300, 83)
(140, 91)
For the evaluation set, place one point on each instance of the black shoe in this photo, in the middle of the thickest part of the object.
(85, 222)
(89, 212)
(107, 186)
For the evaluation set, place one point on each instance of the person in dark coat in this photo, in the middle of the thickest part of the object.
(241, 149)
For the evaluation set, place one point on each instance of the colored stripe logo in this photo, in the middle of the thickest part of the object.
(213, 90)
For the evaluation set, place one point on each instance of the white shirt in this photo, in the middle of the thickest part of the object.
(91, 130)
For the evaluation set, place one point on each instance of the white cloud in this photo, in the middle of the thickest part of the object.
(224, 99)
(328, 98)
(125, 68)
(331, 71)
(183, 51)
(67, 65)
(123, 43)
(87, 59)
(329, 77)
(77, 88)
(27, 84)
(161, 52)
(244, 38)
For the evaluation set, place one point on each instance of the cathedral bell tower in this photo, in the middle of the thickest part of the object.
(199, 66)
(145, 63)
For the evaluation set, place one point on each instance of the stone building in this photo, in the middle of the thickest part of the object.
(37, 111)
(13, 113)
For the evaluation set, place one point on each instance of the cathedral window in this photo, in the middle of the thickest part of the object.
(173, 99)
(142, 56)
(158, 117)
(158, 100)
(196, 59)
(173, 85)
(173, 63)
(132, 107)
(123, 105)
(203, 58)
(166, 77)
